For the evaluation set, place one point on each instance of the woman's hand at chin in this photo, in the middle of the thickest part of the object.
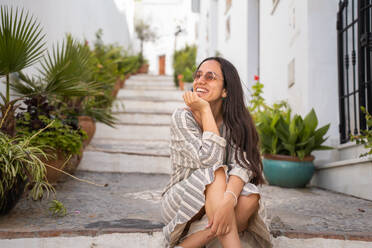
(196, 103)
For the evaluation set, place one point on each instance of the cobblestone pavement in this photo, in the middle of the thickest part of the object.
(130, 203)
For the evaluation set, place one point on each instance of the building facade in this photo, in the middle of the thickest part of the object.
(304, 54)
(166, 17)
(82, 19)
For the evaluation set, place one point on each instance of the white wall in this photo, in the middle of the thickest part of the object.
(241, 46)
(323, 73)
(164, 16)
(235, 48)
(80, 18)
(303, 31)
(274, 46)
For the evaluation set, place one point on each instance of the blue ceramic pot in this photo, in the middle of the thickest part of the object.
(288, 171)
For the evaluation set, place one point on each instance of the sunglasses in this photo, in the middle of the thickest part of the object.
(208, 76)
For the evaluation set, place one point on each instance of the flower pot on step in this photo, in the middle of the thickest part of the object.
(87, 124)
(144, 68)
(116, 88)
(287, 171)
(72, 165)
(57, 162)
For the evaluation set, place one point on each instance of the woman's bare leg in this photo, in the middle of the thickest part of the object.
(214, 193)
(246, 207)
(198, 239)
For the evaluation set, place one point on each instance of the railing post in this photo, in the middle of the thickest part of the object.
(341, 90)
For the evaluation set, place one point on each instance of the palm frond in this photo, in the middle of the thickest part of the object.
(21, 40)
(24, 85)
(65, 70)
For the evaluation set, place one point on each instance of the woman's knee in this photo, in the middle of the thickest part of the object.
(250, 201)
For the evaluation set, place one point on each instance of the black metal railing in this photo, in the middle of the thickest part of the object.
(354, 47)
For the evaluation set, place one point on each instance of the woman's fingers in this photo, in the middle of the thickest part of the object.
(186, 98)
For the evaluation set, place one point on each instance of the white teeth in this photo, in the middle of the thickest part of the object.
(200, 90)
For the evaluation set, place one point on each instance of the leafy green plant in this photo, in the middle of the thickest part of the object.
(58, 136)
(282, 134)
(257, 102)
(144, 34)
(21, 167)
(184, 63)
(57, 208)
(21, 45)
(365, 136)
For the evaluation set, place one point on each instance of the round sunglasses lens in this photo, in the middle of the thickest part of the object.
(197, 75)
(209, 76)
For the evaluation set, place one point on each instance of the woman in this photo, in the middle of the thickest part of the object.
(216, 165)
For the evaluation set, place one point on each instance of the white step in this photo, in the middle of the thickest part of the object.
(151, 87)
(132, 132)
(150, 82)
(351, 176)
(118, 162)
(122, 106)
(143, 119)
(156, 239)
(151, 95)
(147, 77)
(154, 148)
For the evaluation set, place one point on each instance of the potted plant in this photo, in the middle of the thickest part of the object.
(144, 34)
(20, 167)
(184, 63)
(62, 140)
(287, 143)
(23, 30)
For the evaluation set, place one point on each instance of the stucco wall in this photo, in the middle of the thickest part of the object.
(80, 18)
(302, 32)
(240, 47)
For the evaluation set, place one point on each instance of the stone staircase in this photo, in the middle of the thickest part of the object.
(144, 109)
(133, 159)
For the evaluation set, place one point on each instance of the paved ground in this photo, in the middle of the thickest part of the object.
(130, 203)
(133, 160)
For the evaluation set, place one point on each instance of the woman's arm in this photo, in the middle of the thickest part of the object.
(205, 148)
(245, 174)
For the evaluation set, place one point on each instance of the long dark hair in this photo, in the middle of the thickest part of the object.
(241, 131)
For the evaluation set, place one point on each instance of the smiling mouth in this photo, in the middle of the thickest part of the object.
(200, 90)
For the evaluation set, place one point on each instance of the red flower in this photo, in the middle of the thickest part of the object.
(256, 77)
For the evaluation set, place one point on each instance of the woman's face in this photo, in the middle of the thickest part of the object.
(208, 83)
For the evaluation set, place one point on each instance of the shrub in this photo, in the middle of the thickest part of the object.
(184, 63)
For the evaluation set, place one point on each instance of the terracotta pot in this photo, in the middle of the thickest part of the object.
(72, 165)
(57, 162)
(87, 124)
(116, 88)
(144, 68)
(122, 81)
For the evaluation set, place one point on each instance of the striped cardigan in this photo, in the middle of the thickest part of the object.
(191, 149)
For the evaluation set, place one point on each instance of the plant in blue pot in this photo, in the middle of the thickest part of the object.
(287, 142)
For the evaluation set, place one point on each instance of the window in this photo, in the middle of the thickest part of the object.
(275, 3)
